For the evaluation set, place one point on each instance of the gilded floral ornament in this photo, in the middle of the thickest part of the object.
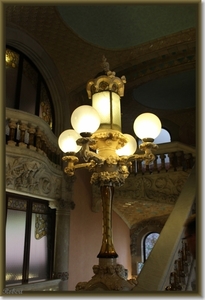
(106, 82)
(106, 178)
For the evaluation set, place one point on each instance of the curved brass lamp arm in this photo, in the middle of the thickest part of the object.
(73, 164)
(147, 156)
(99, 160)
(89, 165)
(85, 152)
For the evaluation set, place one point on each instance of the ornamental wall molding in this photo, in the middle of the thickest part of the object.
(32, 174)
(161, 188)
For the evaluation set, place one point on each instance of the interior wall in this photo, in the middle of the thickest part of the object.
(86, 234)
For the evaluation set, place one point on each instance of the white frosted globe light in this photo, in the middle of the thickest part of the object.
(147, 125)
(67, 141)
(85, 119)
(129, 148)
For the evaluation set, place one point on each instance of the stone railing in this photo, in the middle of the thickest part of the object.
(173, 156)
(29, 131)
(182, 270)
(156, 275)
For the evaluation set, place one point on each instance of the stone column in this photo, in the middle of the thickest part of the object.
(62, 232)
(62, 236)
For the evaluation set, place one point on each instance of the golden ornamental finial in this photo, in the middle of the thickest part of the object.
(106, 82)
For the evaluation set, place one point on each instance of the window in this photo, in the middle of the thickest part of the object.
(149, 242)
(26, 89)
(30, 231)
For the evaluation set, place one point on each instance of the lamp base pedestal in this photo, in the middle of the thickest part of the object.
(109, 276)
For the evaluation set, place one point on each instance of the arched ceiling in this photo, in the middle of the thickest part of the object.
(120, 26)
(162, 94)
(123, 26)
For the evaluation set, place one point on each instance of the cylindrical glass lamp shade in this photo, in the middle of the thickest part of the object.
(67, 141)
(107, 104)
(128, 148)
(85, 119)
(147, 126)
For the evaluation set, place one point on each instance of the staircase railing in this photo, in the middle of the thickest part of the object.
(172, 156)
(155, 274)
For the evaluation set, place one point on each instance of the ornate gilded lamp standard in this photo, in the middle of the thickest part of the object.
(107, 153)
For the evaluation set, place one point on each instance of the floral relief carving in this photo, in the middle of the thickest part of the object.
(165, 188)
(25, 175)
(142, 191)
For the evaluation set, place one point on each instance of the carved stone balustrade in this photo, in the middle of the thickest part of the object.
(173, 156)
(29, 131)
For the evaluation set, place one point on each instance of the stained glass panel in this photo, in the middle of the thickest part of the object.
(38, 250)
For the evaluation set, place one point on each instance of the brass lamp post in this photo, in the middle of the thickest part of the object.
(107, 153)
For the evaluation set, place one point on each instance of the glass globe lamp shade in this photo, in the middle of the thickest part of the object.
(107, 104)
(129, 148)
(85, 119)
(147, 126)
(67, 141)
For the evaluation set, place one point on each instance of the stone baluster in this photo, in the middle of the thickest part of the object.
(53, 154)
(43, 144)
(49, 153)
(172, 159)
(31, 131)
(39, 135)
(22, 127)
(162, 157)
(47, 147)
(155, 166)
(139, 167)
(179, 158)
(12, 126)
(188, 161)
(147, 169)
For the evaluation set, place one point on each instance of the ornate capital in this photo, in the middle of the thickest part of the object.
(62, 204)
